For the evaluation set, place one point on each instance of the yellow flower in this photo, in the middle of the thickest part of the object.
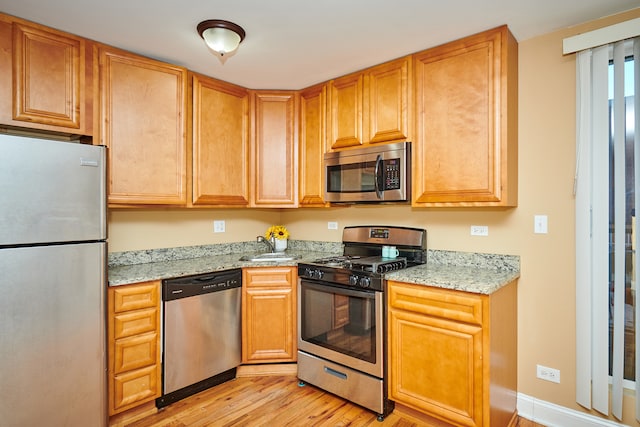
(277, 231)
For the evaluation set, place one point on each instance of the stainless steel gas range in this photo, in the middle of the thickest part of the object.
(342, 313)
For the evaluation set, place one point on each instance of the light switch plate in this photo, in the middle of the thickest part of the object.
(540, 224)
(332, 225)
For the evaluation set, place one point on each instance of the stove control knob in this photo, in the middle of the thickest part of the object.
(365, 282)
(317, 274)
(353, 280)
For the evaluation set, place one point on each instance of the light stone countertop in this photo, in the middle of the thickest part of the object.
(462, 278)
(158, 270)
(464, 271)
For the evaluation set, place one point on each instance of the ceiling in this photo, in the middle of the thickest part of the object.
(292, 44)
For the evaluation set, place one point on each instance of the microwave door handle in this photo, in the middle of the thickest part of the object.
(378, 176)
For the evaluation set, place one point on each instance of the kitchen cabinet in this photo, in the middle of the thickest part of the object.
(312, 136)
(453, 355)
(133, 345)
(220, 143)
(465, 153)
(371, 106)
(273, 156)
(47, 76)
(143, 123)
(269, 314)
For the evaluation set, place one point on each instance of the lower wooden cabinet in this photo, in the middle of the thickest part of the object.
(269, 314)
(453, 354)
(134, 345)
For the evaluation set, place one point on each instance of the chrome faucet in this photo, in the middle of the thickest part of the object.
(271, 243)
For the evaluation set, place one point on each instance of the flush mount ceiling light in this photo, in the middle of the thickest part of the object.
(221, 36)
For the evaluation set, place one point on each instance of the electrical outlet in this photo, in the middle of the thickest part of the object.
(218, 226)
(548, 374)
(479, 230)
(332, 225)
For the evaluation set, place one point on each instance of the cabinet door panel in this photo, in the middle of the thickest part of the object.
(269, 314)
(313, 104)
(274, 151)
(388, 86)
(466, 106)
(269, 326)
(346, 106)
(143, 124)
(220, 143)
(48, 76)
(437, 366)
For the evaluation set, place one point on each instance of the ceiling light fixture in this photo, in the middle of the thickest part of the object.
(221, 36)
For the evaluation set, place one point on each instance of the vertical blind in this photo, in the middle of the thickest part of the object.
(601, 226)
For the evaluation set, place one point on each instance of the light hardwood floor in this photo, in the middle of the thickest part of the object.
(273, 401)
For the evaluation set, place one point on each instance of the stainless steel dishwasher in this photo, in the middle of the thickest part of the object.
(202, 333)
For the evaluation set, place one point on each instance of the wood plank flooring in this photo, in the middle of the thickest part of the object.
(274, 401)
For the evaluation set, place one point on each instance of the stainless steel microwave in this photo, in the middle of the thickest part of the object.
(379, 173)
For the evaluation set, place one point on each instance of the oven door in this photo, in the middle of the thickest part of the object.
(341, 325)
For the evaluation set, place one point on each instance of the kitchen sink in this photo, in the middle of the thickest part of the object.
(269, 256)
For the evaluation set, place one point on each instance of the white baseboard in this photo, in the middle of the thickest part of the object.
(552, 415)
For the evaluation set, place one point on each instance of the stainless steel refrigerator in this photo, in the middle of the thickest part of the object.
(52, 283)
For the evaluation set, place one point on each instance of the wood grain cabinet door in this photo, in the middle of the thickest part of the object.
(389, 100)
(371, 106)
(346, 98)
(48, 78)
(220, 144)
(269, 315)
(274, 150)
(313, 107)
(466, 106)
(143, 123)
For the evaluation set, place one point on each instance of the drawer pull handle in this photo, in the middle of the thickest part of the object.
(335, 373)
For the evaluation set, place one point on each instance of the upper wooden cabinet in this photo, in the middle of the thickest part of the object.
(220, 143)
(371, 106)
(465, 153)
(143, 122)
(49, 75)
(313, 107)
(274, 166)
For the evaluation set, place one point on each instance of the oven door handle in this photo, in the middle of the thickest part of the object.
(324, 287)
(378, 181)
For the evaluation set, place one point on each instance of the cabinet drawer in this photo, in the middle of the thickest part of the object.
(269, 277)
(135, 352)
(135, 387)
(135, 322)
(126, 298)
(448, 304)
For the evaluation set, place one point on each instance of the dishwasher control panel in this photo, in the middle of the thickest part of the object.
(188, 286)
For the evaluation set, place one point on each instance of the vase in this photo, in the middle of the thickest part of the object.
(281, 245)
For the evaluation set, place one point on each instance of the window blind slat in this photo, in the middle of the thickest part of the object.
(619, 158)
(600, 229)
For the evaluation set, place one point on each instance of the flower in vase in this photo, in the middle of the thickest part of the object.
(277, 231)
